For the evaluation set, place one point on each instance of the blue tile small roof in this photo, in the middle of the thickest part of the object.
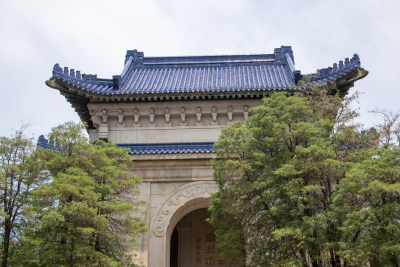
(170, 148)
(44, 143)
(155, 148)
(166, 148)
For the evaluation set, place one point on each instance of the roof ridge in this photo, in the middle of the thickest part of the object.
(137, 58)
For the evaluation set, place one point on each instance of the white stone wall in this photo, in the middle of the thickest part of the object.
(172, 186)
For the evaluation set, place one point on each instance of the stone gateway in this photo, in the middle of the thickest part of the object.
(168, 111)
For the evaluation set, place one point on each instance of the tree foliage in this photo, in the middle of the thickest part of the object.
(369, 201)
(85, 216)
(20, 173)
(283, 177)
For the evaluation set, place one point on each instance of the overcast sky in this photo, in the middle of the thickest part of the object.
(93, 36)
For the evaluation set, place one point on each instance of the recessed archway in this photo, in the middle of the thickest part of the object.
(178, 204)
(193, 242)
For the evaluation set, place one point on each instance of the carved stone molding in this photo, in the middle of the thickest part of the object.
(230, 114)
(183, 117)
(178, 199)
(214, 116)
(151, 116)
(104, 116)
(136, 117)
(166, 115)
(246, 112)
(167, 118)
(120, 118)
(198, 116)
(103, 126)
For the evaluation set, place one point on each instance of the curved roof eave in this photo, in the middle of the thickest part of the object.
(67, 88)
(347, 81)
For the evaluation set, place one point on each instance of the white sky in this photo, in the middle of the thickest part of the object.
(93, 36)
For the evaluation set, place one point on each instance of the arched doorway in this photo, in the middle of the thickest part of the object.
(188, 198)
(193, 242)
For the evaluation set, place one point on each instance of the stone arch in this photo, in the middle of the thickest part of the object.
(186, 199)
(178, 204)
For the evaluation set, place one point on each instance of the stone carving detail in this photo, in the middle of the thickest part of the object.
(96, 120)
(103, 126)
(151, 115)
(136, 117)
(178, 199)
(167, 117)
(104, 116)
(246, 112)
(230, 114)
(214, 116)
(198, 117)
(183, 117)
(120, 118)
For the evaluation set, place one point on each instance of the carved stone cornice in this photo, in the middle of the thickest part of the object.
(170, 116)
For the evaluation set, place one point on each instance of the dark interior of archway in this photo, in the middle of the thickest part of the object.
(174, 249)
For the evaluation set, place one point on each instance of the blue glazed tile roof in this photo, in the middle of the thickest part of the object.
(337, 71)
(195, 74)
(167, 148)
(170, 148)
(196, 77)
(206, 79)
(44, 143)
(156, 148)
(202, 74)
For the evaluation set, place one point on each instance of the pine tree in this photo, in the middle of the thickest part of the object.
(86, 214)
(368, 201)
(277, 174)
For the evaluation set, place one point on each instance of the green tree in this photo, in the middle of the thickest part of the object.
(276, 175)
(86, 214)
(368, 200)
(20, 173)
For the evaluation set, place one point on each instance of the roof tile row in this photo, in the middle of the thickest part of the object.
(156, 148)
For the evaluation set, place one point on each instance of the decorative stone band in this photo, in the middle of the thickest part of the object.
(178, 199)
(172, 116)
